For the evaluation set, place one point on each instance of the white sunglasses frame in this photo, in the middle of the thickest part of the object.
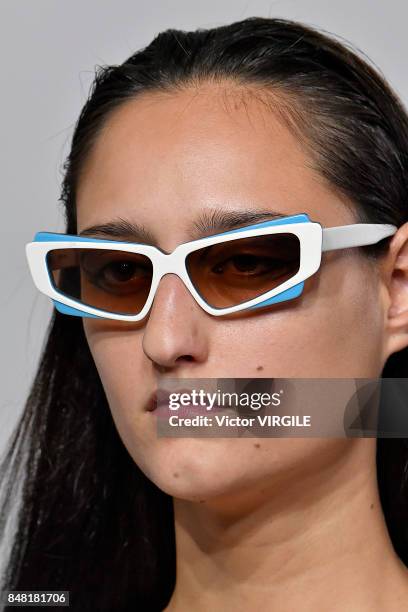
(313, 239)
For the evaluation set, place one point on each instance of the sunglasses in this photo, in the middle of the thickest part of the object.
(245, 268)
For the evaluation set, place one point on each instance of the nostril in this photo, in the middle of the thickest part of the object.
(185, 358)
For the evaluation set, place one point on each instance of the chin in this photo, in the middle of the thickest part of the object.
(197, 469)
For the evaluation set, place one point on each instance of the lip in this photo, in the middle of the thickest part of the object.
(159, 399)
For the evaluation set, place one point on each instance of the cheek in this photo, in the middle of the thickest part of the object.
(346, 321)
(118, 357)
(335, 329)
(120, 360)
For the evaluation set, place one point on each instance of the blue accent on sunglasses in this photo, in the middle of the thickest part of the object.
(300, 218)
(51, 237)
(288, 294)
(73, 311)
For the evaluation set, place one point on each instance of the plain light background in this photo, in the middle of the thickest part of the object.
(49, 50)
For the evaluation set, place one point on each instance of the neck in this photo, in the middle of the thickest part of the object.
(318, 542)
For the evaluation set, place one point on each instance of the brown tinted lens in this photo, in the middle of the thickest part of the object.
(233, 272)
(115, 281)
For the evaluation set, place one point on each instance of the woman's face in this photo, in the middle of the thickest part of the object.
(162, 162)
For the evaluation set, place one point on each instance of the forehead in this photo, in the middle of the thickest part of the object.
(162, 159)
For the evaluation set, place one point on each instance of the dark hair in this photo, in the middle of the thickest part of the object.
(90, 521)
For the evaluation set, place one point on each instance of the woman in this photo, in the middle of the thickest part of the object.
(200, 133)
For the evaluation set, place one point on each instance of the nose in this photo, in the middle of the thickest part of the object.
(175, 332)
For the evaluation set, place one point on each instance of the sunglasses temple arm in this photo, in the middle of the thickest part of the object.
(355, 235)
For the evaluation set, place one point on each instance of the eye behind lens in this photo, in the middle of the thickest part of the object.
(235, 271)
(109, 280)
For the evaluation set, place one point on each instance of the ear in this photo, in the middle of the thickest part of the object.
(396, 283)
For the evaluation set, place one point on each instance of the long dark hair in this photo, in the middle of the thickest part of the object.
(90, 521)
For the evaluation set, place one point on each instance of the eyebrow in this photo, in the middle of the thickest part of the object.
(208, 223)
